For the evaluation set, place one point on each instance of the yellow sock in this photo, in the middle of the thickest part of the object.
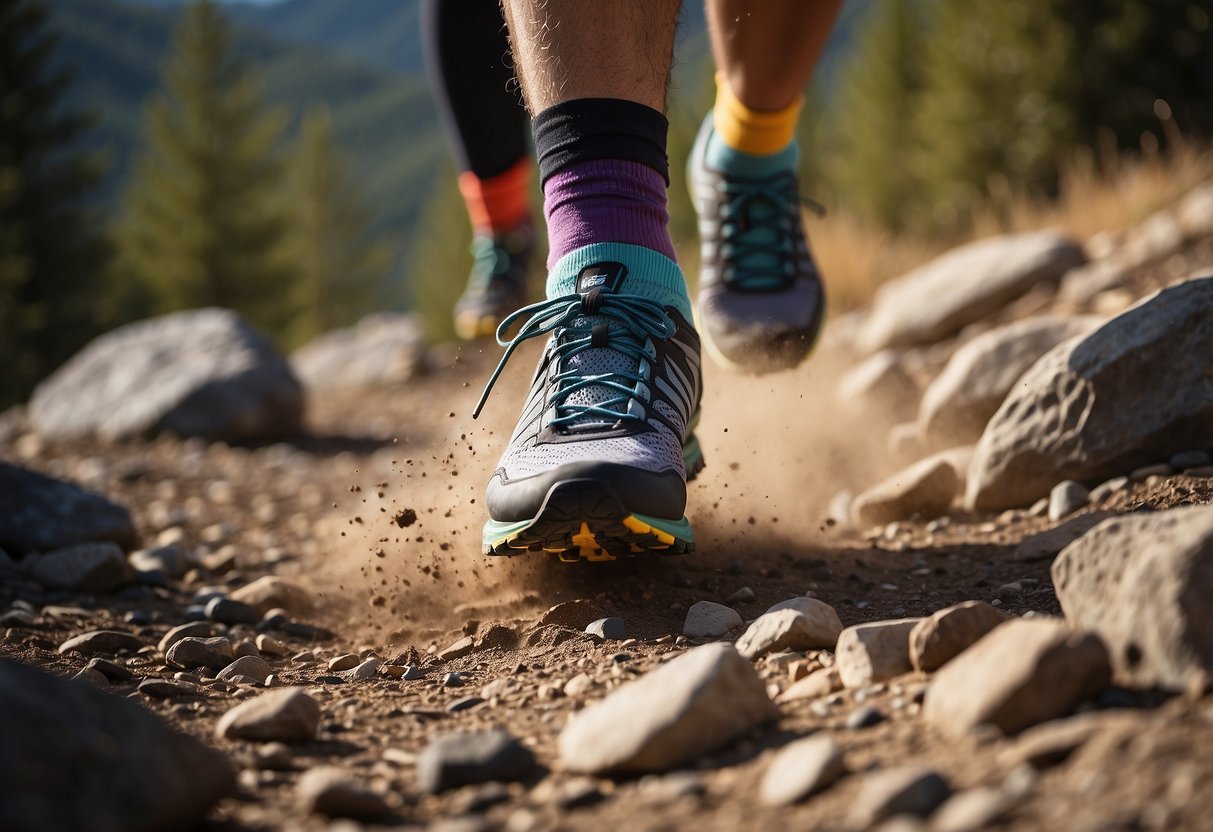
(758, 132)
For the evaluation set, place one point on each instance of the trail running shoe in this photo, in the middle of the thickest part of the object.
(760, 301)
(598, 464)
(497, 284)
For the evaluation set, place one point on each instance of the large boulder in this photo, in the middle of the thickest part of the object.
(39, 513)
(1144, 584)
(965, 285)
(1135, 391)
(381, 349)
(957, 404)
(74, 757)
(203, 372)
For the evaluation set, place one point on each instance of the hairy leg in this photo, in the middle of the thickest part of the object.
(571, 49)
(767, 51)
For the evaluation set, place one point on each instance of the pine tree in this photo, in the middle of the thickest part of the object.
(51, 256)
(204, 218)
(875, 142)
(342, 266)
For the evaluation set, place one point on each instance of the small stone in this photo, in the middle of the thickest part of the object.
(271, 592)
(801, 769)
(971, 810)
(188, 653)
(864, 717)
(286, 715)
(791, 629)
(609, 629)
(270, 646)
(1184, 460)
(250, 667)
(86, 567)
(412, 673)
(452, 680)
(105, 642)
(1066, 498)
(166, 689)
(875, 652)
(1046, 544)
(463, 759)
(707, 619)
(332, 791)
(745, 595)
(817, 684)
(926, 489)
(579, 684)
(365, 671)
(93, 677)
(936, 640)
(1106, 489)
(464, 703)
(275, 756)
(111, 670)
(907, 790)
(228, 611)
(462, 647)
(346, 661)
(1145, 472)
(168, 559)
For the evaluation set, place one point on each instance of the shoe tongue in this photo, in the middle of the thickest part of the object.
(603, 277)
(620, 269)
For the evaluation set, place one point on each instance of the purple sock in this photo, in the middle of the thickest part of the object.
(606, 201)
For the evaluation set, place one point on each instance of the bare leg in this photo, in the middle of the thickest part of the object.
(767, 51)
(570, 49)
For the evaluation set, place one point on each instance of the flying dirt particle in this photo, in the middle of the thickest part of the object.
(378, 601)
(380, 553)
(405, 518)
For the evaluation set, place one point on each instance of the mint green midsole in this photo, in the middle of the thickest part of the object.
(495, 532)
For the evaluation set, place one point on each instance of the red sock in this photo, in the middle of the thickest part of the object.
(500, 203)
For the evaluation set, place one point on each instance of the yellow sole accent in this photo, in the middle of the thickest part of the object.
(644, 528)
(470, 327)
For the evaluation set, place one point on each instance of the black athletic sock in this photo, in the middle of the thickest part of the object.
(468, 62)
(592, 129)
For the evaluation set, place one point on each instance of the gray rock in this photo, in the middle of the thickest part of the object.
(790, 629)
(167, 688)
(382, 349)
(965, 285)
(908, 790)
(250, 667)
(1083, 284)
(1045, 545)
(111, 670)
(93, 677)
(1107, 488)
(170, 559)
(865, 716)
(958, 404)
(366, 670)
(191, 652)
(707, 619)
(800, 769)
(927, 489)
(874, 652)
(880, 384)
(286, 715)
(194, 629)
(745, 595)
(947, 633)
(610, 629)
(1066, 498)
(202, 372)
(1098, 406)
(271, 592)
(1144, 584)
(1024, 672)
(39, 513)
(104, 642)
(228, 611)
(85, 567)
(694, 704)
(112, 765)
(334, 792)
(463, 759)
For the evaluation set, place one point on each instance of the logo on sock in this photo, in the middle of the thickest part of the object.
(605, 276)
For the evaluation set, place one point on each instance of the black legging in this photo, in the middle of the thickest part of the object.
(468, 62)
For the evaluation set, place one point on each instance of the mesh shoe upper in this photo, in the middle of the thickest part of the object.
(760, 297)
(613, 396)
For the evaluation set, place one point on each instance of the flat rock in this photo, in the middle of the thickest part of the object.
(1134, 391)
(907, 790)
(819, 683)
(694, 704)
(800, 769)
(458, 649)
(927, 489)
(789, 629)
(251, 667)
(334, 792)
(271, 592)
(99, 742)
(85, 567)
(102, 642)
(947, 633)
(1046, 545)
(230, 611)
(1144, 584)
(40, 513)
(191, 652)
(286, 715)
(167, 688)
(201, 372)
(874, 652)
(463, 759)
(194, 629)
(1022, 673)
(382, 349)
(609, 629)
(960, 401)
(965, 285)
(707, 619)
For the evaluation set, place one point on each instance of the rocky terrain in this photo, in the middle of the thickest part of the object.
(953, 574)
